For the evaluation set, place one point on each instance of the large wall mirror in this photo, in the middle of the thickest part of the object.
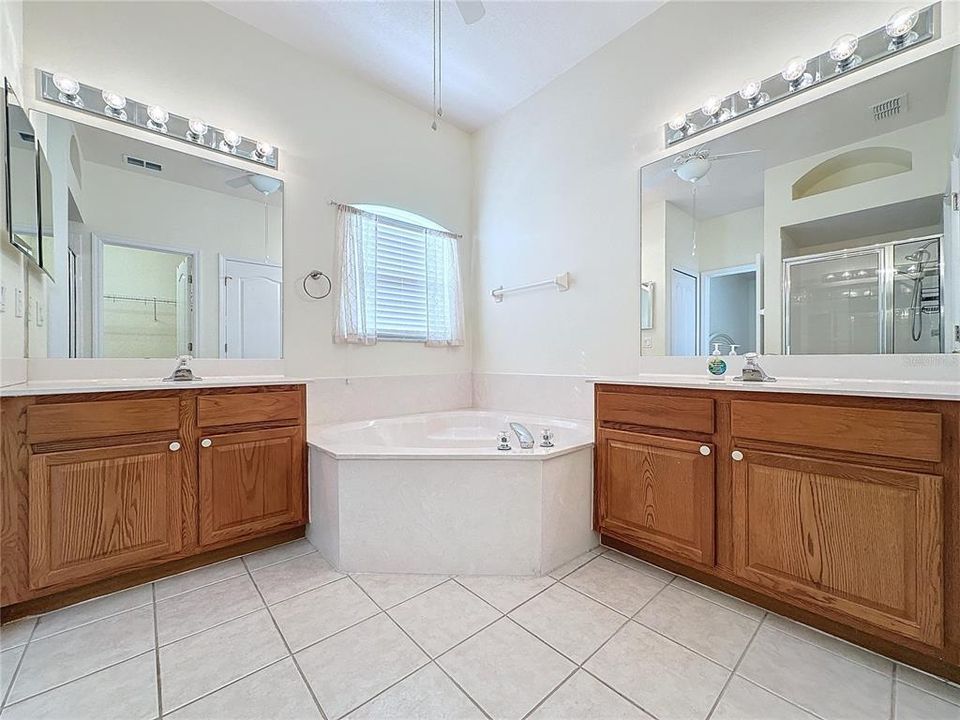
(828, 229)
(155, 252)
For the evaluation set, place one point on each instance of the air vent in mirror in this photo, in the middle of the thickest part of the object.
(889, 108)
(143, 164)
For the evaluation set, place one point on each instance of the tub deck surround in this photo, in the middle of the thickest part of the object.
(840, 511)
(102, 490)
(432, 494)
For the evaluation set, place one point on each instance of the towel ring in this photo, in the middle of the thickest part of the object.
(317, 275)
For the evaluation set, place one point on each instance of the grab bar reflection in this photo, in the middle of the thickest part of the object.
(561, 281)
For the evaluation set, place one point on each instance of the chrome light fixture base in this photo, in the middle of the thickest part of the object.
(906, 29)
(92, 100)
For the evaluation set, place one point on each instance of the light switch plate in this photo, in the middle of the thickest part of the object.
(18, 303)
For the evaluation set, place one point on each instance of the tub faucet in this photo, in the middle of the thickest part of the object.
(752, 372)
(524, 436)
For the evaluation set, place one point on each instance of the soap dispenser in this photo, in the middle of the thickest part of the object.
(717, 366)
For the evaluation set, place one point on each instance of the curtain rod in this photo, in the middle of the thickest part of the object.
(367, 212)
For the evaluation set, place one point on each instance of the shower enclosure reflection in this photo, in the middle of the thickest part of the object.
(822, 230)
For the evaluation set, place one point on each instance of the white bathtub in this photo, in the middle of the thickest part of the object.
(433, 494)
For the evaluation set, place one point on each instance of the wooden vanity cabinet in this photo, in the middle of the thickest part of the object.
(112, 488)
(841, 512)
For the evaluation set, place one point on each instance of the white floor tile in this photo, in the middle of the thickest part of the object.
(316, 614)
(9, 659)
(637, 564)
(16, 633)
(193, 579)
(817, 680)
(288, 578)
(428, 694)
(83, 650)
(90, 610)
(828, 642)
(728, 601)
(350, 668)
(127, 691)
(202, 663)
(720, 634)
(568, 621)
(743, 700)
(276, 692)
(569, 567)
(278, 553)
(440, 618)
(191, 612)
(505, 592)
(615, 585)
(663, 678)
(583, 696)
(914, 704)
(506, 670)
(934, 685)
(388, 590)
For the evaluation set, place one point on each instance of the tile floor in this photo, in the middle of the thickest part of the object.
(279, 635)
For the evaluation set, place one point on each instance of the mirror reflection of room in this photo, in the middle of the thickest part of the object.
(817, 231)
(163, 253)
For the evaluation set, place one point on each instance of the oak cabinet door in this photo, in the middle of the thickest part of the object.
(658, 492)
(250, 482)
(96, 512)
(862, 541)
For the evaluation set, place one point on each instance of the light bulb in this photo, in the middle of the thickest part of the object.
(158, 117)
(900, 28)
(114, 100)
(678, 122)
(842, 52)
(264, 150)
(795, 73)
(711, 106)
(231, 139)
(66, 84)
(197, 129)
(752, 92)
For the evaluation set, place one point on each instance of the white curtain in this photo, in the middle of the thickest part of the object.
(356, 273)
(444, 291)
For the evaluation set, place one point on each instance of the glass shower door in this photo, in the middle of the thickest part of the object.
(834, 304)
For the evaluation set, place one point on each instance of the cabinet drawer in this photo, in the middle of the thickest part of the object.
(907, 434)
(659, 411)
(214, 410)
(101, 418)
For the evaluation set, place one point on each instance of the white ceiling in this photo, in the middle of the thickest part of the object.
(488, 67)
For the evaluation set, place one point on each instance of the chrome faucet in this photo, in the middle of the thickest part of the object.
(182, 372)
(752, 372)
(524, 436)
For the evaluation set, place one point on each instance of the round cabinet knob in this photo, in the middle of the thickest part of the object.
(206, 442)
(174, 446)
(737, 455)
(704, 449)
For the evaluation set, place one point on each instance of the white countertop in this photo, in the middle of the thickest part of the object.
(906, 389)
(64, 387)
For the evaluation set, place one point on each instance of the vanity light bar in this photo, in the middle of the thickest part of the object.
(906, 29)
(65, 90)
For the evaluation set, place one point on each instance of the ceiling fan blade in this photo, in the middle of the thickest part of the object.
(724, 156)
(471, 10)
(239, 181)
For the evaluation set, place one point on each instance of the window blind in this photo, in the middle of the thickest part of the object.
(401, 284)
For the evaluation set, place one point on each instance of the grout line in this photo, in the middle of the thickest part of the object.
(156, 649)
(87, 622)
(352, 576)
(228, 684)
(290, 654)
(16, 670)
(893, 694)
(277, 562)
(211, 627)
(432, 660)
(826, 649)
(763, 612)
(778, 695)
(736, 666)
(487, 602)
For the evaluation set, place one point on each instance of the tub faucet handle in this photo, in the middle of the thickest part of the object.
(546, 438)
(503, 440)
